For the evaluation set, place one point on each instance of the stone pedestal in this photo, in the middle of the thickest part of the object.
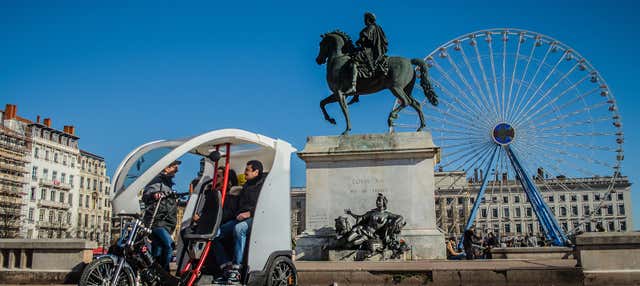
(347, 172)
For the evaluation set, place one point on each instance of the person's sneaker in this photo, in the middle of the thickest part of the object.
(222, 279)
(233, 275)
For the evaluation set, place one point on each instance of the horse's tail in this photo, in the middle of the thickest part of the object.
(424, 81)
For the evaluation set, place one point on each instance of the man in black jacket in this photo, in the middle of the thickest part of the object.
(240, 227)
(164, 222)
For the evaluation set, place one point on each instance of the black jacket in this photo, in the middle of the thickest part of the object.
(249, 195)
(167, 211)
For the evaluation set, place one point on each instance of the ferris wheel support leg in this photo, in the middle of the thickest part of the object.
(476, 204)
(546, 218)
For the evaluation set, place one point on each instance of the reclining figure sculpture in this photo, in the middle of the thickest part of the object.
(376, 231)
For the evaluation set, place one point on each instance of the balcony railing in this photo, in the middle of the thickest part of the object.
(12, 167)
(14, 157)
(52, 204)
(13, 178)
(54, 184)
(54, 225)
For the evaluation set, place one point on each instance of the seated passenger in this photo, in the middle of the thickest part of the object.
(239, 227)
(205, 215)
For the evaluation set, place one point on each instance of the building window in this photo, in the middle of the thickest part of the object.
(565, 227)
(95, 183)
(71, 199)
(61, 197)
(574, 198)
(64, 160)
(41, 215)
(596, 197)
(86, 220)
(31, 210)
(100, 189)
(483, 213)
(53, 196)
(46, 155)
(529, 212)
(562, 198)
(507, 227)
(81, 182)
(71, 180)
(587, 227)
(612, 226)
(505, 199)
(563, 211)
(54, 175)
(34, 174)
(518, 228)
(530, 228)
(494, 213)
(43, 194)
(609, 210)
(460, 199)
(63, 177)
(518, 212)
(574, 210)
(86, 201)
(585, 198)
(45, 173)
(620, 209)
(585, 210)
(550, 198)
(36, 153)
(51, 215)
(473, 200)
(623, 225)
(505, 211)
(620, 196)
(516, 199)
(55, 157)
(32, 195)
(80, 202)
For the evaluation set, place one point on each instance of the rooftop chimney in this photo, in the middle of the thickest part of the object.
(68, 129)
(72, 130)
(9, 112)
(47, 122)
(38, 119)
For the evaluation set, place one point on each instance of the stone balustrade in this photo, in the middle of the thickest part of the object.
(43, 260)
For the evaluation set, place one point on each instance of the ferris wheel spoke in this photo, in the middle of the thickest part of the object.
(553, 100)
(524, 113)
(467, 85)
(483, 97)
(481, 154)
(495, 79)
(464, 113)
(451, 123)
(504, 74)
(570, 114)
(513, 73)
(578, 145)
(460, 155)
(518, 112)
(531, 82)
(516, 98)
(484, 78)
(566, 104)
(451, 82)
(575, 123)
(578, 156)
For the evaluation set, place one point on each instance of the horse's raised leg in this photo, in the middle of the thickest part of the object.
(329, 99)
(400, 95)
(418, 108)
(345, 112)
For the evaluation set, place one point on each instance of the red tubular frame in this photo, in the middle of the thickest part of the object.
(203, 257)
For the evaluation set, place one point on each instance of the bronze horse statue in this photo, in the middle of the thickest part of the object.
(335, 49)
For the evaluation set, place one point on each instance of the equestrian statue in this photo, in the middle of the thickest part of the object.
(364, 68)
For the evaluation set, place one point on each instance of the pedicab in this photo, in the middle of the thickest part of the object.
(268, 254)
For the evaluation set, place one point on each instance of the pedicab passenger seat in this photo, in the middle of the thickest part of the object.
(208, 226)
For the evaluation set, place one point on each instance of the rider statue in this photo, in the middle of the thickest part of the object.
(369, 56)
(376, 224)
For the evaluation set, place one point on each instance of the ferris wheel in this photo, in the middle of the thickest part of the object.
(517, 105)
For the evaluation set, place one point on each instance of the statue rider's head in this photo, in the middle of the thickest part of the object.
(369, 18)
(381, 202)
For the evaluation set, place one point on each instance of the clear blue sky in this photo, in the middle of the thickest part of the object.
(126, 73)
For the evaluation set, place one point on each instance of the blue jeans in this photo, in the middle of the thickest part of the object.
(161, 244)
(239, 230)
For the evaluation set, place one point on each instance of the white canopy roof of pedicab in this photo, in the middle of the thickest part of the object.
(245, 146)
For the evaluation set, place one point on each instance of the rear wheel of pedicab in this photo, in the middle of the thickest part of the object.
(282, 272)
